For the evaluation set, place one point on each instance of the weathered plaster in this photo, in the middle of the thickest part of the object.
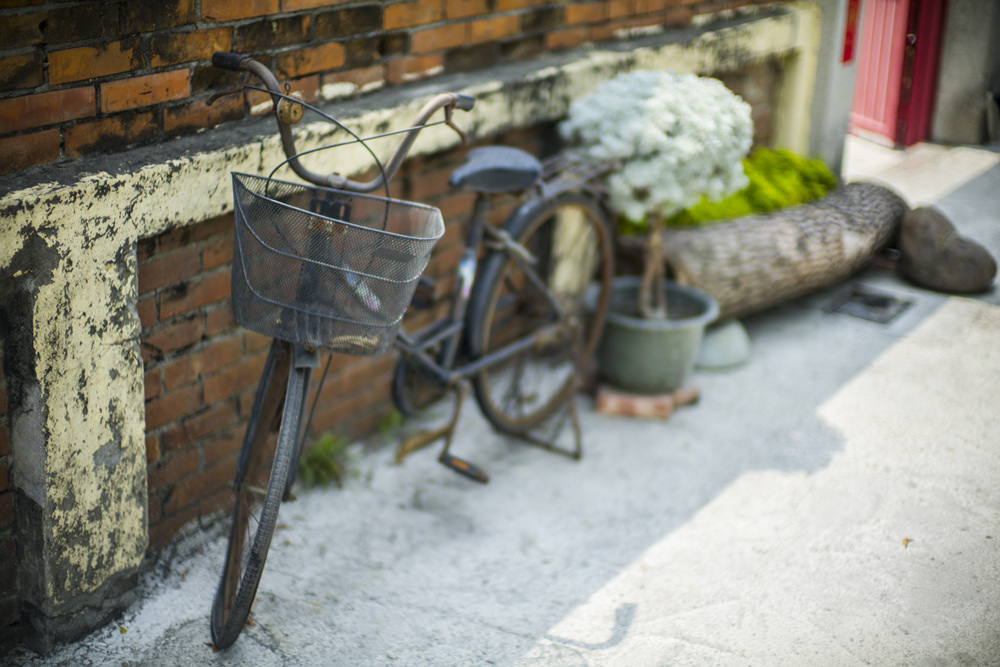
(67, 255)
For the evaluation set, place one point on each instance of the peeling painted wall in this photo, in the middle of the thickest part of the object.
(68, 285)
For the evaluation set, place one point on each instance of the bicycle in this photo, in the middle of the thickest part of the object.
(327, 266)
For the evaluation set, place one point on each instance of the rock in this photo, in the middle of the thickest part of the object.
(933, 254)
(726, 345)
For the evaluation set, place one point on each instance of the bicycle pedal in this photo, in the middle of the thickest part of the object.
(463, 467)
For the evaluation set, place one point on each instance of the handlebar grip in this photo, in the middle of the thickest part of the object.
(228, 60)
(465, 102)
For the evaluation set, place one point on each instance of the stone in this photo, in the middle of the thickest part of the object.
(933, 254)
(725, 346)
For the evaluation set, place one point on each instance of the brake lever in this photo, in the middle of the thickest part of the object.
(447, 121)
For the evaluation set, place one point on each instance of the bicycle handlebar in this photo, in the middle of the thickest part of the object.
(447, 101)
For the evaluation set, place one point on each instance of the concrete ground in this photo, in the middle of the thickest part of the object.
(835, 501)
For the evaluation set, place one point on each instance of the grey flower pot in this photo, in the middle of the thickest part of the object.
(652, 356)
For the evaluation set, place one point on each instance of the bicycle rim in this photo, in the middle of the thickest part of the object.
(260, 483)
(568, 237)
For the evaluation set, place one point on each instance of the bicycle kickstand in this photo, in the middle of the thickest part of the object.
(423, 439)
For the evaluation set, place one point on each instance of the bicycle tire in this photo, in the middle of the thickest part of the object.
(565, 234)
(277, 406)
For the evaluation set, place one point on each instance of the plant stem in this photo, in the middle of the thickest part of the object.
(652, 296)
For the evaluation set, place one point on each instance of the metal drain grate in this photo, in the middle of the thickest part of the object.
(871, 304)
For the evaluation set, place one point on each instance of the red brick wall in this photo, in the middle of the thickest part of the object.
(93, 76)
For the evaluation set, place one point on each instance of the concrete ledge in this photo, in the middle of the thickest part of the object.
(68, 286)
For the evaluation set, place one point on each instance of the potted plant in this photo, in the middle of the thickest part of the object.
(678, 139)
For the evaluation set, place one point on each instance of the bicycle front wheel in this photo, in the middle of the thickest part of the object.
(542, 301)
(259, 486)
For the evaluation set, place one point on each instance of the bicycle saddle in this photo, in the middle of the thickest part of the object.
(492, 169)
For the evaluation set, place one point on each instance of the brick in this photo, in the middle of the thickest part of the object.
(217, 253)
(169, 268)
(349, 22)
(3, 399)
(585, 12)
(509, 5)
(147, 312)
(395, 44)
(253, 342)
(184, 47)
(227, 10)
(193, 294)
(548, 18)
(167, 528)
(363, 51)
(112, 133)
(414, 68)
(27, 111)
(198, 115)
(4, 440)
(293, 64)
(181, 371)
(152, 448)
(172, 470)
(189, 491)
(24, 70)
(221, 353)
(409, 14)
(28, 150)
(471, 58)
(171, 337)
(145, 90)
(272, 33)
(142, 17)
(89, 62)
(565, 39)
(233, 379)
(50, 27)
(209, 360)
(176, 238)
(296, 5)
(621, 8)
(4, 475)
(460, 9)
(153, 383)
(223, 445)
(219, 320)
(493, 29)
(173, 406)
(444, 37)
(145, 248)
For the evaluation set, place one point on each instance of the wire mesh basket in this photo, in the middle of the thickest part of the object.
(326, 268)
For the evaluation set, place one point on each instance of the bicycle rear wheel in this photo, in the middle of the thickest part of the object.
(259, 486)
(569, 239)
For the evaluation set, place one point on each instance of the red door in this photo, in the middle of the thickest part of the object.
(897, 69)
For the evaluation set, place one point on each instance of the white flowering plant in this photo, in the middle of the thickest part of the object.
(677, 138)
